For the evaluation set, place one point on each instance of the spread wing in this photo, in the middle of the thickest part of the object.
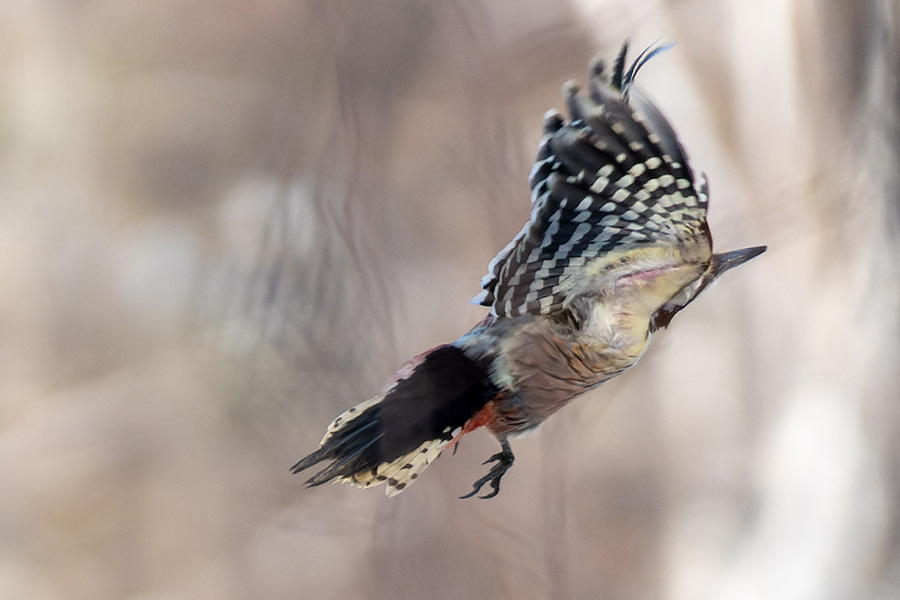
(614, 178)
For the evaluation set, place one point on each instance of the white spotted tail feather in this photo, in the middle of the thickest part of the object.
(398, 474)
(612, 180)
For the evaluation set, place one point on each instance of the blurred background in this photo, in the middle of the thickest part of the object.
(221, 224)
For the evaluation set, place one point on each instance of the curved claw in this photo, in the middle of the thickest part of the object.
(504, 460)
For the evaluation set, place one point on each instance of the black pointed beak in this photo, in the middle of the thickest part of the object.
(730, 260)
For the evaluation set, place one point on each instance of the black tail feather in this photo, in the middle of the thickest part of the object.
(432, 404)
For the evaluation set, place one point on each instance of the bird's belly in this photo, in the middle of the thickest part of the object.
(544, 371)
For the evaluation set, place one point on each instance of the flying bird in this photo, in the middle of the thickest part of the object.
(617, 243)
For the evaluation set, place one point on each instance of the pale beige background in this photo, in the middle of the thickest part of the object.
(223, 223)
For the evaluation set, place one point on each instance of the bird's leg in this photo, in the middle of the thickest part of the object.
(504, 460)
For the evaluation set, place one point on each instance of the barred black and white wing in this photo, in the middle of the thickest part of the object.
(612, 179)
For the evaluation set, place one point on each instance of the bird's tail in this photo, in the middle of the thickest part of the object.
(393, 437)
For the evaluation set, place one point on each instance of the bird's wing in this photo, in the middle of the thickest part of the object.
(612, 179)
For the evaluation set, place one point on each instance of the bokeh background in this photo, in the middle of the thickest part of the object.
(222, 223)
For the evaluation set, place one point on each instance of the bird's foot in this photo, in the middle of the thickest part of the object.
(504, 460)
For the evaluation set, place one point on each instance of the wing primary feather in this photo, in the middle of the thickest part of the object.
(573, 102)
(668, 140)
(619, 67)
(648, 53)
(577, 152)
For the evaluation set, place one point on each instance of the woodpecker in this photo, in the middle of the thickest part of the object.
(617, 244)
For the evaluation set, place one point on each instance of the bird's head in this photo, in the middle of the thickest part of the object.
(718, 264)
